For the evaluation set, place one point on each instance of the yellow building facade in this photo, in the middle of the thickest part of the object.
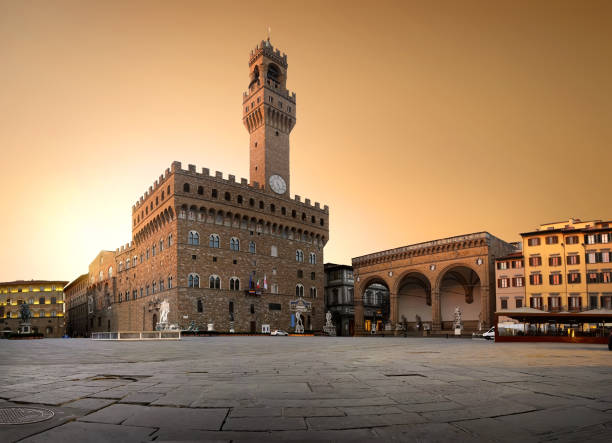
(46, 302)
(567, 266)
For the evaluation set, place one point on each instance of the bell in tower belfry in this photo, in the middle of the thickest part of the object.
(269, 116)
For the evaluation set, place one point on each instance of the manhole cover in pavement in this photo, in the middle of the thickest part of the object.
(21, 416)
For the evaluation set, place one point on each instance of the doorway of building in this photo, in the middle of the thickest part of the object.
(154, 321)
(253, 327)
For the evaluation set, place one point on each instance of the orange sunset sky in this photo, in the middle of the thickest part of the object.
(416, 120)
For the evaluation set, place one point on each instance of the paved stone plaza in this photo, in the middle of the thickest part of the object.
(308, 389)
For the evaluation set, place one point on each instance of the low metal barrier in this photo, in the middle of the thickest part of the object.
(137, 335)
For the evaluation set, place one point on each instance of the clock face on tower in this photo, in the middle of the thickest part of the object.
(278, 185)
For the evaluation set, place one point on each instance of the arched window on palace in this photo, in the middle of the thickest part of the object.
(299, 290)
(186, 187)
(312, 258)
(110, 272)
(194, 238)
(192, 282)
(299, 255)
(234, 244)
(213, 241)
(252, 247)
(234, 283)
(214, 282)
(313, 292)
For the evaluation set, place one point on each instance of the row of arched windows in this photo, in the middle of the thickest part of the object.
(154, 287)
(214, 282)
(152, 252)
(214, 241)
(299, 257)
(252, 224)
(240, 200)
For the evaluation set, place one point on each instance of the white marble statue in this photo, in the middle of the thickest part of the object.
(457, 318)
(328, 320)
(164, 308)
(299, 326)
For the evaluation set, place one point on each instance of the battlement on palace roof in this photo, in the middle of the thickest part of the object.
(218, 177)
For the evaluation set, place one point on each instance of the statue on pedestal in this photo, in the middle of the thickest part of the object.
(457, 322)
(164, 309)
(25, 314)
(299, 326)
(329, 327)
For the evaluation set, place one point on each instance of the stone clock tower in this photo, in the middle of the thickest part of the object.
(269, 116)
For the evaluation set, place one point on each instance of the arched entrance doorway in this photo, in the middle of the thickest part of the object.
(375, 307)
(414, 302)
(460, 287)
(154, 322)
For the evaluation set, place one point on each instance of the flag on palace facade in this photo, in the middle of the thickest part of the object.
(265, 282)
(257, 283)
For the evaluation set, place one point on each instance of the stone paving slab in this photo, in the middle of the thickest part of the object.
(314, 389)
(143, 398)
(92, 433)
(363, 421)
(90, 404)
(426, 432)
(264, 424)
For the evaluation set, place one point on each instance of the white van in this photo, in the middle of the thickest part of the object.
(490, 334)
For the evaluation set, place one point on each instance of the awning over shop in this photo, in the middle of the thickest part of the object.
(531, 315)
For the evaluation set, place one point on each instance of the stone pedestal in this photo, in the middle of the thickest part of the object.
(330, 330)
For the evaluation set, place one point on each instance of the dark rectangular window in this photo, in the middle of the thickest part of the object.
(504, 304)
(274, 307)
(552, 240)
(300, 273)
(593, 277)
(534, 241)
(535, 261)
(535, 279)
(519, 302)
(312, 276)
(572, 240)
(554, 261)
(555, 279)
